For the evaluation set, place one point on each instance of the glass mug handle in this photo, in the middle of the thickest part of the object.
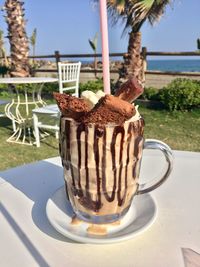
(166, 150)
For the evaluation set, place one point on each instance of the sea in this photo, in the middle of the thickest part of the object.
(179, 65)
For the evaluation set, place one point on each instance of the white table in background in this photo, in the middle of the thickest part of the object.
(22, 98)
(28, 239)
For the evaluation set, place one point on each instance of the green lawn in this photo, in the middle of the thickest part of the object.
(179, 130)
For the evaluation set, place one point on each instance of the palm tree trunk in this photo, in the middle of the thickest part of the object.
(132, 65)
(134, 61)
(19, 45)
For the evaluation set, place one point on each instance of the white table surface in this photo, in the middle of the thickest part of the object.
(27, 238)
(13, 80)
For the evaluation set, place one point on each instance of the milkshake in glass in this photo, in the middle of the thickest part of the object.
(101, 150)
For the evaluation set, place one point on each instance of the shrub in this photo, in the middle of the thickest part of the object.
(95, 86)
(47, 90)
(4, 90)
(4, 94)
(150, 93)
(3, 70)
(181, 94)
(91, 85)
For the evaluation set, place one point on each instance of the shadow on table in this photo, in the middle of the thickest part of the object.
(38, 181)
(24, 238)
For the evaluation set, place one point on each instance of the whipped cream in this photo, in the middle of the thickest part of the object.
(137, 115)
(91, 98)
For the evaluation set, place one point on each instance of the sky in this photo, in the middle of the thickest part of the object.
(66, 26)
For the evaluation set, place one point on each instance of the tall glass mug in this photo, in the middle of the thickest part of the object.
(102, 166)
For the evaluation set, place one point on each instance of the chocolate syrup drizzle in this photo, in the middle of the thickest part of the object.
(135, 132)
(68, 150)
(117, 130)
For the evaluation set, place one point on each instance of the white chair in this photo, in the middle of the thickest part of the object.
(68, 74)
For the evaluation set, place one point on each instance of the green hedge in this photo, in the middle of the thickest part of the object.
(95, 86)
(150, 93)
(180, 94)
(3, 70)
(47, 89)
(91, 85)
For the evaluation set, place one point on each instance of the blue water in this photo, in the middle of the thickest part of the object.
(190, 65)
(179, 65)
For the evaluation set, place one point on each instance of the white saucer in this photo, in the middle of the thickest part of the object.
(140, 216)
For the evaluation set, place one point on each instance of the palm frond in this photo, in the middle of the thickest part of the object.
(118, 4)
(93, 43)
(1, 39)
(198, 43)
(1, 34)
(95, 40)
(33, 37)
(157, 11)
(135, 12)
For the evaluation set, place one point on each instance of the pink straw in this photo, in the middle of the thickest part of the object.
(105, 46)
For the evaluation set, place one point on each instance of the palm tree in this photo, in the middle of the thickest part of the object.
(198, 44)
(3, 59)
(134, 13)
(93, 44)
(19, 45)
(1, 47)
(33, 41)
